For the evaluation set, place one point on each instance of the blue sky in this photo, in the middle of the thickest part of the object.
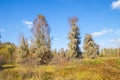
(101, 18)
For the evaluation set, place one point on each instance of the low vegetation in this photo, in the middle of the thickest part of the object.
(86, 69)
(35, 60)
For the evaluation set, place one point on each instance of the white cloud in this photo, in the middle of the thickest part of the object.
(111, 40)
(110, 43)
(115, 40)
(104, 31)
(115, 43)
(116, 4)
(28, 23)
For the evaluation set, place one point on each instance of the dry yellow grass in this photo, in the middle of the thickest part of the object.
(86, 69)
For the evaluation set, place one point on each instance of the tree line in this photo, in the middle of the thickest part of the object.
(38, 51)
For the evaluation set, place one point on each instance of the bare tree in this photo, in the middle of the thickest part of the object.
(41, 41)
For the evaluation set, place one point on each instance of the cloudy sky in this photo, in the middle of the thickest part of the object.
(101, 18)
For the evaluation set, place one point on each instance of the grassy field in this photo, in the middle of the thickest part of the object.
(85, 69)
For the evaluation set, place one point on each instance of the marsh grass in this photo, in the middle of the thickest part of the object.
(86, 69)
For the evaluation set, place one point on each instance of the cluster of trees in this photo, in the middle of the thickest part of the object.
(38, 51)
(110, 52)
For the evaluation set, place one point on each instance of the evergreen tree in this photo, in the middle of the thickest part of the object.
(91, 49)
(74, 37)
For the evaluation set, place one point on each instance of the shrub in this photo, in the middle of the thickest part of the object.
(7, 53)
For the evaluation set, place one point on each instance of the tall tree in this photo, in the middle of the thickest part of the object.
(41, 38)
(91, 49)
(74, 37)
(41, 32)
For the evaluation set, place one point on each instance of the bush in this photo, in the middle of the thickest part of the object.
(7, 53)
